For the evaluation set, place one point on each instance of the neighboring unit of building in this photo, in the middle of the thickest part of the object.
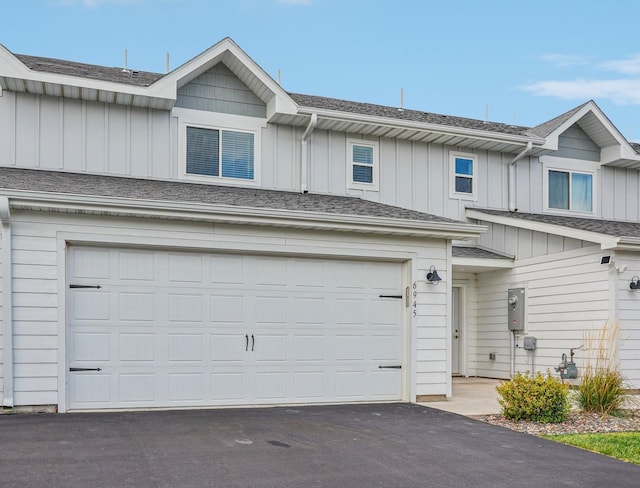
(205, 238)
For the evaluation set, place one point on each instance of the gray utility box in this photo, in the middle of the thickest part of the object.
(530, 343)
(515, 302)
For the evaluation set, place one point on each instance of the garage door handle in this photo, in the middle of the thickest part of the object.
(397, 366)
(253, 342)
(84, 369)
(246, 342)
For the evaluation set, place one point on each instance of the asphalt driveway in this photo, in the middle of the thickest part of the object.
(388, 445)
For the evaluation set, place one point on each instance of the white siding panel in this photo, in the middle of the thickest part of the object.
(566, 294)
(118, 140)
(27, 130)
(73, 135)
(629, 319)
(51, 136)
(96, 126)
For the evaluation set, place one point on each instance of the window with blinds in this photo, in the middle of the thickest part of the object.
(215, 152)
(362, 168)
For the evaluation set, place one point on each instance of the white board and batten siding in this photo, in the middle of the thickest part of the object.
(628, 315)
(566, 294)
(46, 342)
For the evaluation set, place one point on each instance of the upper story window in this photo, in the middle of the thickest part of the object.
(219, 148)
(570, 190)
(463, 170)
(216, 152)
(362, 167)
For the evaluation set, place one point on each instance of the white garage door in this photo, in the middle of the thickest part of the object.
(149, 328)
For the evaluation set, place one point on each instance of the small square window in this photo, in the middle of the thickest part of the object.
(362, 167)
(463, 174)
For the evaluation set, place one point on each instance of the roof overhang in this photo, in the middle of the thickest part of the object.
(377, 126)
(609, 242)
(130, 207)
(17, 77)
(615, 150)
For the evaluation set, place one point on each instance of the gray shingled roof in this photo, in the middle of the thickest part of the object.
(117, 75)
(131, 188)
(475, 252)
(324, 103)
(543, 130)
(613, 228)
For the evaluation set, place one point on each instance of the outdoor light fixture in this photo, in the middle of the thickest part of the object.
(635, 283)
(433, 277)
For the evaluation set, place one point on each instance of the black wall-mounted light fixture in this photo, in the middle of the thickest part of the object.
(432, 276)
(635, 283)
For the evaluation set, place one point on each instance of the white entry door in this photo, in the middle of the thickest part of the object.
(456, 330)
(150, 328)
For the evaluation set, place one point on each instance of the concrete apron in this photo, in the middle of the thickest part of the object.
(470, 396)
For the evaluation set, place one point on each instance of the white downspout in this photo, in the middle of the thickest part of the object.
(304, 183)
(7, 304)
(512, 177)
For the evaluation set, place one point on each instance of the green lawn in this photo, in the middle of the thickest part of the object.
(621, 445)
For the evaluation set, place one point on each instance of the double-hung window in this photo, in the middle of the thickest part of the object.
(570, 190)
(220, 152)
(463, 175)
(362, 167)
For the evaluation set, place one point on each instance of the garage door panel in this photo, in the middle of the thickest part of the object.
(186, 347)
(227, 308)
(185, 268)
(136, 346)
(91, 306)
(310, 348)
(226, 387)
(137, 265)
(186, 387)
(269, 347)
(170, 328)
(228, 347)
(137, 306)
(137, 387)
(271, 386)
(185, 308)
(271, 310)
(309, 310)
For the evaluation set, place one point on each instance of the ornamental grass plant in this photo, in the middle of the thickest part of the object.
(601, 386)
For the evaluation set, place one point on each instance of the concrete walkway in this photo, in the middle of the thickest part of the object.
(471, 396)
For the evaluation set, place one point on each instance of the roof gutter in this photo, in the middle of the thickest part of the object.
(512, 176)
(304, 178)
(7, 303)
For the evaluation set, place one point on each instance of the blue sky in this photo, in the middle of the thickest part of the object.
(521, 63)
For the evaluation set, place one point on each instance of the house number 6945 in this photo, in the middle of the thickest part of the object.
(414, 305)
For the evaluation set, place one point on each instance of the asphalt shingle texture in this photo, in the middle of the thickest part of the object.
(475, 252)
(143, 189)
(601, 226)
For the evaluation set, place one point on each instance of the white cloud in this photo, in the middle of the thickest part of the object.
(630, 65)
(564, 60)
(621, 92)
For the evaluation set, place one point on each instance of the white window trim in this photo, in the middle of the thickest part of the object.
(356, 185)
(566, 165)
(452, 176)
(217, 121)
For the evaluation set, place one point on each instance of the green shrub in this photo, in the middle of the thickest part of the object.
(601, 390)
(539, 398)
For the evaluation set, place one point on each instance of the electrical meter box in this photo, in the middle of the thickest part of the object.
(515, 302)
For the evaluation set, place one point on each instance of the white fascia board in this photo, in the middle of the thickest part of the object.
(243, 215)
(422, 126)
(606, 241)
(482, 262)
